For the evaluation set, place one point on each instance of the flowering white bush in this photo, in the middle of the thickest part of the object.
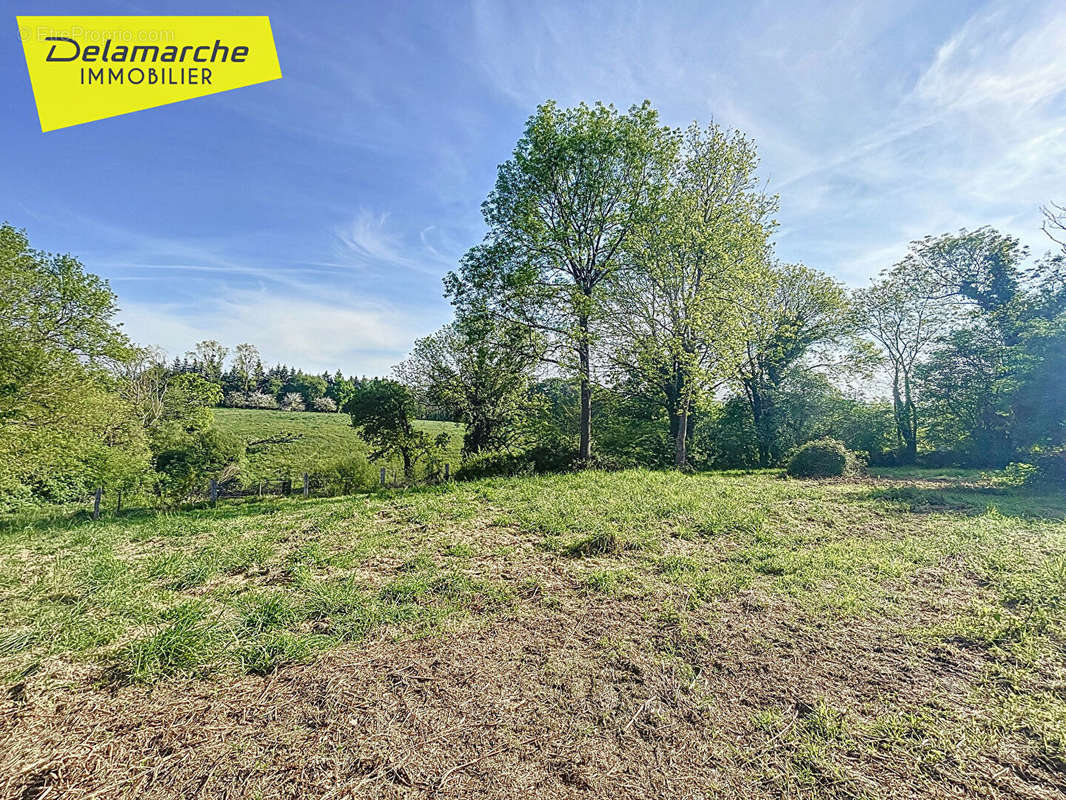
(252, 400)
(261, 400)
(293, 401)
(323, 404)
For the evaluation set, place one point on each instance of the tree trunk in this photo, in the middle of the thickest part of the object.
(681, 454)
(764, 454)
(584, 368)
(675, 422)
(758, 416)
(674, 391)
(910, 423)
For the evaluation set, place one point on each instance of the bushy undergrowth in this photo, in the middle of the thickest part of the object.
(523, 462)
(1044, 468)
(351, 474)
(1051, 467)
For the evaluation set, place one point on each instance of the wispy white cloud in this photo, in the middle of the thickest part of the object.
(370, 240)
(303, 313)
(978, 137)
(1012, 55)
(307, 333)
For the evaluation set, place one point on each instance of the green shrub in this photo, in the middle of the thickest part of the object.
(352, 474)
(822, 458)
(526, 462)
(1016, 473)
(1050, 467)
(14, 494)
(190, 460)
(487, 465)
(1043, 468)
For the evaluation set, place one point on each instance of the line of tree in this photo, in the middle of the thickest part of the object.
(626, 306)
(974, 336)
(247, 384)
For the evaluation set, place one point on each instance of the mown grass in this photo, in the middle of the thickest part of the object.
(246, 588)
(323, 440)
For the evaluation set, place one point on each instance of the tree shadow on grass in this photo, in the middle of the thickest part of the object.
(968, 500)
(235, 508)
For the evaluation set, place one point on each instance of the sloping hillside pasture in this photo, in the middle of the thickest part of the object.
(632, 634)
(323, 440)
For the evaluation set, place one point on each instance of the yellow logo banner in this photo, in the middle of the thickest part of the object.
(89, 68)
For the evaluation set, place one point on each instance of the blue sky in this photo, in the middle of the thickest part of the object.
(314, 216)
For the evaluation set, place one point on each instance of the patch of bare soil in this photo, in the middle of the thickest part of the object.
(596, 700)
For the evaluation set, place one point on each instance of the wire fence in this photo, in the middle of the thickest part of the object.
(307, 484)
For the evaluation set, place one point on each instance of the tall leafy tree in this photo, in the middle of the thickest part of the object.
(970, 378)
(245, 363)
(981, 267)
(579, 182)
(64, 426)
(309, 387)
(340, 389)
(56, 320)
(966, 384)
(675, 303)
(794, 318)
(903, 314)
(1039, 400)
(209, 358)
(383, 410)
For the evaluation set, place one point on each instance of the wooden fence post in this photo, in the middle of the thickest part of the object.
(307, 485)
(118, 502)
(260, 488)
(214, 492)
(96, 502)
(447, 470)
(381, 476)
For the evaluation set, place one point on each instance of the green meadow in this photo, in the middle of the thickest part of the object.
(320, 440)
(801, 638)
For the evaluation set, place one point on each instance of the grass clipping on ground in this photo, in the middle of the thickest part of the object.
(635, 634)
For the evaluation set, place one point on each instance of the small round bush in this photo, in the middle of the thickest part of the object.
(822, 458)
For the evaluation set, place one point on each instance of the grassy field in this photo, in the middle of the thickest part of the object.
(635, 634)
(323, 439)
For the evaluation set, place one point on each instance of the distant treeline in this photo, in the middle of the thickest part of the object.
(245, 383)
